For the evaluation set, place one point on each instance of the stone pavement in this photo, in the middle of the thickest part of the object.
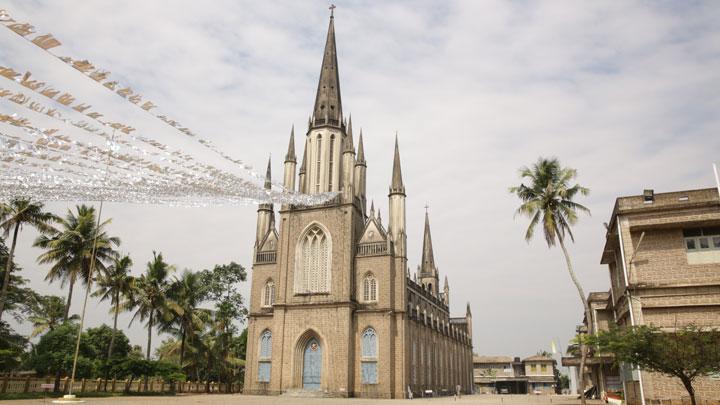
(217, 399)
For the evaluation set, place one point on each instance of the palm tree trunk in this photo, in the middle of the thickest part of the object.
(65, 319)
(69, 298)
(112, 338)
(586, 307)
(150, 325)
(182, 348)
(114, 331)
(8, 269)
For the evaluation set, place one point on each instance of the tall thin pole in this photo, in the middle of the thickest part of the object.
(717, 178)
(91, 271)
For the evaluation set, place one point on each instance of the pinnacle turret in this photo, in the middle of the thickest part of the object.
(427, 265)
(397, 186)
(268, 177)
(303, 164)
(290, 156)
(349, 142)
(361, 150)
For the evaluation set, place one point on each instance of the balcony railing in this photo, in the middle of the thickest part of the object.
(266, 257)
(372, 249)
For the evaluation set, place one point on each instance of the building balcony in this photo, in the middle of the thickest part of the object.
(372, 249)
(266, 257)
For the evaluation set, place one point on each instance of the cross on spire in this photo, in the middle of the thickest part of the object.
(427, 207)
(332, 10)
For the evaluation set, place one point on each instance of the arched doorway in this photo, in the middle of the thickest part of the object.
(312, 365)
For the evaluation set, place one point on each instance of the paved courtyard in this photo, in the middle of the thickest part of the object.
(263, 400)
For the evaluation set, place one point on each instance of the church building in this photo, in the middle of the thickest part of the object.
(334, 310)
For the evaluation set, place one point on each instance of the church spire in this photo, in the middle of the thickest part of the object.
(427, 266)
(397, 185)
(328, 105)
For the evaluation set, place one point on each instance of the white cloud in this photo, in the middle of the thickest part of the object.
(624, 92)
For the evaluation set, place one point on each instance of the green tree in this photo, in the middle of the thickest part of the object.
(19, 299)
(685, 353)
(47, 313)
(12, 348)
(223, 283)
(70, 249)
(547, 199)
(55, 351)
(188, 292)
(115, 284)
(98, 339)
(13, 216)
(150, 299)
(133, 368)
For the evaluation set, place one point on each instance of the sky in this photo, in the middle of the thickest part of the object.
(627, 93)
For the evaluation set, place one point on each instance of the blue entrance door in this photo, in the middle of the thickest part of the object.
(312, 365)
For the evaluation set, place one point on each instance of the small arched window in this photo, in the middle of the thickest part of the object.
(268, 298)
(317, 167)
(369, 357)
(370, 288)
(331, 162)
(264, 359)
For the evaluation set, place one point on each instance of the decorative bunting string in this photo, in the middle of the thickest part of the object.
(47, 42)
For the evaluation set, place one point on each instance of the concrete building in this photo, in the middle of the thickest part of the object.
(507, 375)
(333, 307)
(663, 257)
(601, 371)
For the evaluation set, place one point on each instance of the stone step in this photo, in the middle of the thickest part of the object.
(301, 393)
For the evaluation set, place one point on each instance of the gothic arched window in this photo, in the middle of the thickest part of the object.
(264, 359)
(368, 357)
(268, 297)
(370, 288)
(313, 275)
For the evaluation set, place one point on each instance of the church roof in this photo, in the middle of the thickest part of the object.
(327, 101)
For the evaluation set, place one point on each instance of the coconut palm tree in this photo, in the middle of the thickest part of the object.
(13, 215)
(47, 313)
(115, 284)
(149, 298)
(71, 248)
(547, 199)
(188, 292)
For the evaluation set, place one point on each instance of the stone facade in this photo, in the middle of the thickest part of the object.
(663, 256)
(333, 308)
